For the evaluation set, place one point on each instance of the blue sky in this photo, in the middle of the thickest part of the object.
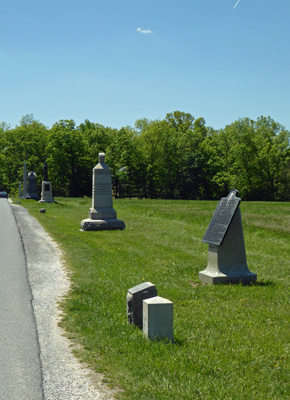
(114, 61)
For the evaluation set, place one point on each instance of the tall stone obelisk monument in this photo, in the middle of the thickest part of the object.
(102, 215)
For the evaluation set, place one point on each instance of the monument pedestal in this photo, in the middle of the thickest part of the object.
(46, 193)
(227, 262)
(102, 224)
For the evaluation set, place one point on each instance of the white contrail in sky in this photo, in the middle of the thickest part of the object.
(236, 4)
(144, 30)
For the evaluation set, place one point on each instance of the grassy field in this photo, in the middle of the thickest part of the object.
(231, 341)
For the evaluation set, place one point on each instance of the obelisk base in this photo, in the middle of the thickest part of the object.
(102, 224)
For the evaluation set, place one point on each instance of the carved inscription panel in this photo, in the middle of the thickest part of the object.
(102, 184)
(221, 219)
(102, 189)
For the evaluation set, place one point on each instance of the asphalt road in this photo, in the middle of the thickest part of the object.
(20, 367)
(36, 362)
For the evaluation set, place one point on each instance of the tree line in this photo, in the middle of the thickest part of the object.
(178, 157)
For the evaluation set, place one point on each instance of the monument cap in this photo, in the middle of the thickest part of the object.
(101, 158)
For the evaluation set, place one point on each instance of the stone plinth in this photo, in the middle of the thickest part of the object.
(46, 192)
(102, 215)
(102, 224)
(135, 297)
(158, 318)
(227, 262)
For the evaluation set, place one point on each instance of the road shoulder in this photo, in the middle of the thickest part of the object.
(63, 376)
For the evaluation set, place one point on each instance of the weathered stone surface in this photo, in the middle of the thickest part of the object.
(158, 318)
(102, 215)
(102, 224)
(32, 190)
(46, 192)
(221, 219)
(227, 262)
(135, 297)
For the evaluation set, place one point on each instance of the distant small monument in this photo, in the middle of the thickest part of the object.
(227, 262)
(46, 190)
(32, 187)
(24, 181)
(102, 215)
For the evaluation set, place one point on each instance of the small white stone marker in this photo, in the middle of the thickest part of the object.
(158, 318)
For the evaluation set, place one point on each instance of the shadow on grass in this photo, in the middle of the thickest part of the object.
(256, 283)
(263, 283)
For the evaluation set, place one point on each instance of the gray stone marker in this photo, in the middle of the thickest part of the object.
(158, 318)
(135, 297)
(46, 192)
(46, 189)
(102, 215)
(19, 190)
(227, 262)
(32, 189)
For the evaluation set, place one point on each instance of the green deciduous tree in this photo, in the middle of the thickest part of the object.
(66, 159)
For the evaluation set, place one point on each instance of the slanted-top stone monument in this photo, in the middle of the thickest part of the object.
(102, 215)
(227, 262)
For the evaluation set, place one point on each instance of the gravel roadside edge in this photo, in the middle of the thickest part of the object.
(64, 378)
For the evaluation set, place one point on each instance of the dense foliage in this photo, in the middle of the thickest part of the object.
(177, 157)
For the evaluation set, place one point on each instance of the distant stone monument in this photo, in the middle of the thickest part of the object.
(24, 181)
(46, 190)
(32, 189)
(102, 215)
(227, 262)
(19, 190)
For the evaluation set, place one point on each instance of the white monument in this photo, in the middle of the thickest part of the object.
(102, 215)
(46, 190)
(227, 262)
(158, 318)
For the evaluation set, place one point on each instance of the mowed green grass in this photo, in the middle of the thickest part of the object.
(230, 341)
